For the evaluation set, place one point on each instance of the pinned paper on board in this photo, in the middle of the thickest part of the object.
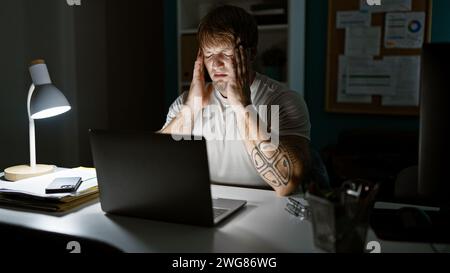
(404, 30)
(342, 94)
(370, 77)
(408, 81)
(346, 19)
(373, 55)
(387, 6)
(362, 41)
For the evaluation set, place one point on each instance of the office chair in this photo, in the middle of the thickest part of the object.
(319, 174)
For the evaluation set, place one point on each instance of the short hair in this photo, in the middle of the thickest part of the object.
(225, 23)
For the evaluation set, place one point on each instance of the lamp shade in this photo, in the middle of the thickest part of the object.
(47, 101)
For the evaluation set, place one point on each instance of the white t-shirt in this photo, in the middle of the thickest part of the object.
(229, 161)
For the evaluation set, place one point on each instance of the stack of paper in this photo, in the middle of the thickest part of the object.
(30, 192)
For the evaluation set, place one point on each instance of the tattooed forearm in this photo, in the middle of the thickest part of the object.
(282, 168)
(285, 167)
(275, 167)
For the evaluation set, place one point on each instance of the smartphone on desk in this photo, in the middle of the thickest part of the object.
(64, 185)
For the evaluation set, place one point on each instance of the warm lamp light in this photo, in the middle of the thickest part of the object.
(44, 101)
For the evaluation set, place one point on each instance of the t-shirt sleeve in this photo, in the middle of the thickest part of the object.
(174, 109)
(293, 115)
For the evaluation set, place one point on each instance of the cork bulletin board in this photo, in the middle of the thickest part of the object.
(337, 47)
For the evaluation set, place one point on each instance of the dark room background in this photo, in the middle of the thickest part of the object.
(116, 63)
(107, 58)
(326, 127)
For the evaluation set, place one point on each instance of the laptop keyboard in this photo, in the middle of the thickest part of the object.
(217, 212)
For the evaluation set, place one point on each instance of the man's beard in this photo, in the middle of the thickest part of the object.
(220, 86)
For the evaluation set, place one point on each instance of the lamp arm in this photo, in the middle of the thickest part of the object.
(31, 130)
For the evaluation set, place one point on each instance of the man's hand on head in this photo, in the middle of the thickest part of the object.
(198, 88)
(238, 89)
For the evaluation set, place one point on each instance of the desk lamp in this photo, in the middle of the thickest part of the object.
(44, 101)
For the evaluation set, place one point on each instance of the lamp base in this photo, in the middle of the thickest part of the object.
(25, 171)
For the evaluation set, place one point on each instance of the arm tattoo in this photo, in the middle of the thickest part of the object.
(275, 167)
(279, 166)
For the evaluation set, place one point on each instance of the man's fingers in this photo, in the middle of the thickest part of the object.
(238, 58)
(247, 63)
(238, 42)
(244, 66)
(238, 67)
(243, 63)
(198, 66)
(199, 56)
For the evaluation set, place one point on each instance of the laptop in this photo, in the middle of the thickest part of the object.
(152, 176)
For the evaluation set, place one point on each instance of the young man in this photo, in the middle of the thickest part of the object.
(242, 103)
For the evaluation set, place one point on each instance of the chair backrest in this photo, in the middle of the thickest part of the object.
(319, 173)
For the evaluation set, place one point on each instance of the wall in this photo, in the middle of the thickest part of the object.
(105, 56)
(13, 118)
(441, 21)
(170, 52)
(135, 64)
(90, 50)
(31, 30)
(325, 126)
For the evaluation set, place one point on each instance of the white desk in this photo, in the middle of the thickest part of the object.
(262, 226)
